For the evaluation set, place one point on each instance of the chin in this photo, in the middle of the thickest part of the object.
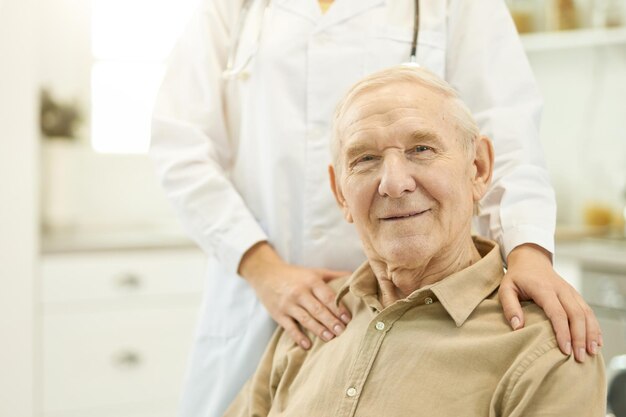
(405, 252)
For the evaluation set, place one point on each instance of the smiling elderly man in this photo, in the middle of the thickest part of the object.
(427, 336)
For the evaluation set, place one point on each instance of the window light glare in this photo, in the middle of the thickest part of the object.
(138, 29)
(123, 95)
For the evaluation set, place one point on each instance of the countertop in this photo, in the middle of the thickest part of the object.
(596, 252)
(68, 241)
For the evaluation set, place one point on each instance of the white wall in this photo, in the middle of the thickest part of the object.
(584, 124)
(18, 215)
(64, 48)
(80, 188)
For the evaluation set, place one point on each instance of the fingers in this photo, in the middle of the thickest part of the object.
(509, 297)
(306, 320)
(293, 330)
(577, 324)
(301, 301)
(316, 311)
(327, 296)
(556, 313)
(330, 274)
(592, 326)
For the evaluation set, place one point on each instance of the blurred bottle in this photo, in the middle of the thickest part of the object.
(598, 214)
(562, 15)
(526, 14)
(623, 217)
(607, 13)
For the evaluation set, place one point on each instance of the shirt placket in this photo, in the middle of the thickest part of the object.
(377, 330)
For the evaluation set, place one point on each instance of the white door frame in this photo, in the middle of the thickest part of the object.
(18, 206)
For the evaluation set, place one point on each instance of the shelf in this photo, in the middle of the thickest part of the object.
(581, 38)
(113, 240)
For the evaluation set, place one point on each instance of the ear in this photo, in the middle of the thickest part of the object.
(482, 167)
(336, 189)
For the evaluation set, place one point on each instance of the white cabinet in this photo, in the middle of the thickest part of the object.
(116, 330)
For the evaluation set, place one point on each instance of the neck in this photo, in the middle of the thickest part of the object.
(399, 281)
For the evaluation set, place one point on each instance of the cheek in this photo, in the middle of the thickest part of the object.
(452, 191)
(359, 193)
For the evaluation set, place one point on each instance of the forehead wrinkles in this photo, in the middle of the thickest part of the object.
(378, 121)
(390, 101)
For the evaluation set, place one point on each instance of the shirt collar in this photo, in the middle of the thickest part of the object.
(459, 293)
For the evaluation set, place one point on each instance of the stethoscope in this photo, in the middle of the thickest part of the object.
(240, 72)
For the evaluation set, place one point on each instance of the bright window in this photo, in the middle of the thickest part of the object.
(131, 40)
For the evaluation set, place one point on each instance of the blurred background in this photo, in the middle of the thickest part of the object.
(100, 285)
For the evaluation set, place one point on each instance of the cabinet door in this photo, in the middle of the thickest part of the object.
(115, 276)
(101, 359)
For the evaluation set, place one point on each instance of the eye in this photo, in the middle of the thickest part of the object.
(421, 148)
(363, 159)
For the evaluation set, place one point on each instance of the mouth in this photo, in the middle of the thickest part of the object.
(403, 216)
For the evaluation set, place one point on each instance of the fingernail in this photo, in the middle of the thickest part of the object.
(345, 318)
(568, 348)
(515, 323)
(581, 354)
(338, 329)
(594, 348)
(326, 335)
(305, 344)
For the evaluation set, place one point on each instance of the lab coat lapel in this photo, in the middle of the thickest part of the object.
(309, 9)
(343, 10)
(340, 11)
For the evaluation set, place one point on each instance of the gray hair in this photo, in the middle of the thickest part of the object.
(459, 112)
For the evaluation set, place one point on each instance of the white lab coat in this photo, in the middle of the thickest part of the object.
(245, 160)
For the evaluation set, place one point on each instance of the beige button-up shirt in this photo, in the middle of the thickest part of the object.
(444, 351)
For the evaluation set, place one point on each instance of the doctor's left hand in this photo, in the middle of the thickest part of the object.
(295, 296)
(530, 276)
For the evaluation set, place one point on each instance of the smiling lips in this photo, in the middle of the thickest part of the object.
(403, 216)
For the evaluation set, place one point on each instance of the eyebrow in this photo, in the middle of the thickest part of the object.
(427, 136)
(419, 136)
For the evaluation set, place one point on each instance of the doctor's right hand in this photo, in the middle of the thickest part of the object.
(295, 296)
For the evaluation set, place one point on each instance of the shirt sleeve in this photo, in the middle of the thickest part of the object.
(486, 64)
(552, 384)
(255, 398)
(190, 145)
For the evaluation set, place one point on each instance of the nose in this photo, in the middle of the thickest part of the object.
(396, 178)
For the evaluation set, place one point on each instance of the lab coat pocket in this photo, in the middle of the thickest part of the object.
(391, 45)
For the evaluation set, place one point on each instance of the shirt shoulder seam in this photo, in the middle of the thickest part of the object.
(527, 362)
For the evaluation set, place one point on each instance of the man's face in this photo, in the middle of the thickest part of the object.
(404, 177)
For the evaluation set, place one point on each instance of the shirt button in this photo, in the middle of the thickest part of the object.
(351, 392)
(428, 300)
(380, 325)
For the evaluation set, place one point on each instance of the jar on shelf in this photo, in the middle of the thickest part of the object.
(562, 15)
(526, 14)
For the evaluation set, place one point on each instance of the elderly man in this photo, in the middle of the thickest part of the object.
(427, 335)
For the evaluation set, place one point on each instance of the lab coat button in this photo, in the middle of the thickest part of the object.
(351, 392)
(380, 326)
(316, 133)
(323, 39)
(428, 300)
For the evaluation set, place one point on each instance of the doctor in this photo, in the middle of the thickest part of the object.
(241, 145)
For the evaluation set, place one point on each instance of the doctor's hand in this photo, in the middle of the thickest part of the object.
(295, 296)
(530, 276)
